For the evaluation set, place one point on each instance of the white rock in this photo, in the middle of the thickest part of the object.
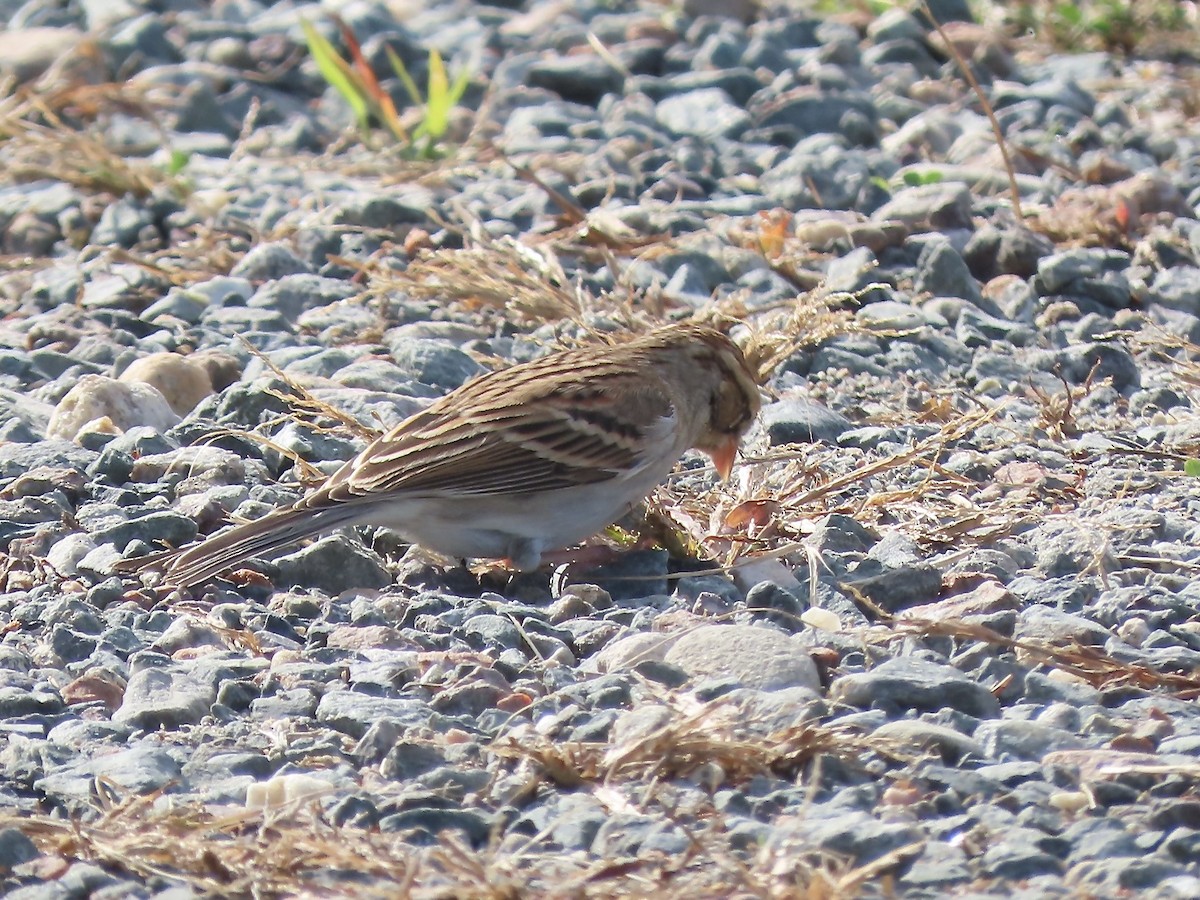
(67, 551)
(821, 619)
(183, 381)
(284, 789)
(98, 396)
(748, 573)
(627, 652)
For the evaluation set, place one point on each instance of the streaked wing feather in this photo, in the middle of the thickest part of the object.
(494, 467)
(494, 445)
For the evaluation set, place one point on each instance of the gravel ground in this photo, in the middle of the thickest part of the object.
(956, 651)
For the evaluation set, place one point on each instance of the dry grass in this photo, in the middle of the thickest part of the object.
(301, 855)
(496, 276)
(1177, 353)
(294, 850)
(768, 511)
(36, 143)
(1088, 664)
(712, 743)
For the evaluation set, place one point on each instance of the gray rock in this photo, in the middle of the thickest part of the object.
(318, 445)
(939, 865)
(332, 565)
(374, 375)
(996, 251)
(848, 832)
(907, 683)
(756, 657)
(630, 835)
(1108, 360)
(951, 744)
(164, 525)
(893, 575)
(292, 295)
(434, 363)
(1018, 856)
(852, 271)
(493, 631)
(66, 553)
(978, 329)
(707, 114)
(15, 848)
(1177, 288)
(798, 420)
(140, 40)
(298, 703)
(164, 696)
(1044, 623)
(581, 79)
(1023, 740)
(409, 759)
(269, 262)
(137, 770)
(629, 651)
(941, 271)
(775, 599)
(577, 820)
(222, 290)
(738, 82)
(821, 172)
(1099, 839)
(246, 322)
(353, 713)
(890, 315)
(634, 575)
(1060, 271)
(1133, 874)
(806, 111)
(22, 695)
(940, 206)
(124, 223)
(423, 825)
(371, 210)
(944, 11)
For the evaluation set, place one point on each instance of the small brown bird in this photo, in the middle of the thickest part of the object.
(518, 462)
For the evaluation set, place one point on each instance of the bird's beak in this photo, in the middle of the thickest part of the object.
(723, 456)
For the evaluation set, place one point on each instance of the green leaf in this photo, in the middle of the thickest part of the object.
(337, 73)
(437, 106)
(402, 73)
(178, 161)
(461, 82)
(1192, 467)
(914, 178)
(1069, 13)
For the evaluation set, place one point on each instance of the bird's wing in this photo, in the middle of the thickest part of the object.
(512, 436)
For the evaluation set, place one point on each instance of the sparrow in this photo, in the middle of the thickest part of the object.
(520, 461)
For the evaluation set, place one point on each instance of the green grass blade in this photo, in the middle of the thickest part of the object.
(336, 71)
(461, 82)
(402, 73)
(437, 106)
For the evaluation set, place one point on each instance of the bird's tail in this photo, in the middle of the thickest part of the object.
(224, 550)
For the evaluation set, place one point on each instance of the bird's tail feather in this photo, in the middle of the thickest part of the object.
(224, 550)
